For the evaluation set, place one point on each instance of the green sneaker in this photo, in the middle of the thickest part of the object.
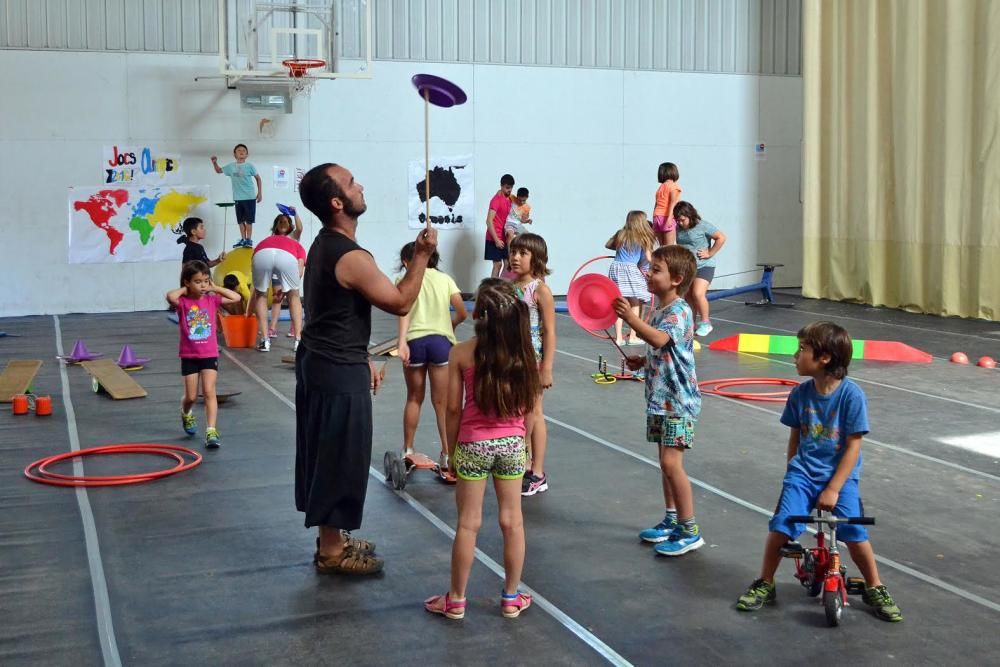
(879, 599)
(759, 594)
(189, 422)
(212, 439)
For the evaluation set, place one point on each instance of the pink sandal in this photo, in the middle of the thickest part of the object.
(442, 604)
(520, 603)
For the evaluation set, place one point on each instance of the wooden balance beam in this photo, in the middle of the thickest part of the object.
(106, 374)
(17, 378)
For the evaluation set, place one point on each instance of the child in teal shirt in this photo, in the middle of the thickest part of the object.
(247, 192)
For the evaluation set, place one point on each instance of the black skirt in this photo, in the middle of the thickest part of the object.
(333, 440)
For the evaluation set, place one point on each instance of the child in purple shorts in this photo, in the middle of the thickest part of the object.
(426, 335)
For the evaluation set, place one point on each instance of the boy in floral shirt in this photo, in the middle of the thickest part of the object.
(673, 401)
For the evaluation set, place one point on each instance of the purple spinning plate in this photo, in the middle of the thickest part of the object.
(440, 92)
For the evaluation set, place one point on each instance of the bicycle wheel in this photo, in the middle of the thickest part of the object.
(833, 606)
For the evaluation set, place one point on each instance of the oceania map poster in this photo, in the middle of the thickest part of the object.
(452, 193)
(112, 224)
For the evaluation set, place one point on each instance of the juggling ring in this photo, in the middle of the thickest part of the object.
(43, 476)
(604, 335)
(716, 386)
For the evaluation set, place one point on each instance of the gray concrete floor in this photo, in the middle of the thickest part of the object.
(213, 566)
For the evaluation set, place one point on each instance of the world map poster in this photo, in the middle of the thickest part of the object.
(452, 193)
(114, 224)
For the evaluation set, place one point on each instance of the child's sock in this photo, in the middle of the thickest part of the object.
(688, 525)
(672, 514)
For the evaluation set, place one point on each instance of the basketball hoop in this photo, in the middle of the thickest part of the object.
(299, 67)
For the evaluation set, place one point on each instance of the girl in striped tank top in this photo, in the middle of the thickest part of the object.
(529, 257)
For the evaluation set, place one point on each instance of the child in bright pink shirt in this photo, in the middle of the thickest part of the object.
(496, 217)
(280, 256)
(197, 301)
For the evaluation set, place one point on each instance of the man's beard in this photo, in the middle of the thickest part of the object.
(354, 212)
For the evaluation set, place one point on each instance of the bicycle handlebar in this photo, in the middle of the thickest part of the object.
(857, 520)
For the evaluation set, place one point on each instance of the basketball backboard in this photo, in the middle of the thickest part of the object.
(257, 38)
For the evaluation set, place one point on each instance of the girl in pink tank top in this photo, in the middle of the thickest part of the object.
(493, 384)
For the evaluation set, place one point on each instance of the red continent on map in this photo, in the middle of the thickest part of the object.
(100, 208)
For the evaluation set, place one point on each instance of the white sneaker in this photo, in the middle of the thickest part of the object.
(264, 345)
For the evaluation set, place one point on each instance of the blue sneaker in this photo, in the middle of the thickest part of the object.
(660, 531)
(189, 422)
(681, 541)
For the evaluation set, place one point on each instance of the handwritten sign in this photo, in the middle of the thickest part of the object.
(139, 165)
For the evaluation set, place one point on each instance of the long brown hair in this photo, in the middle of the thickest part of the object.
(635, 234)
(506, 374)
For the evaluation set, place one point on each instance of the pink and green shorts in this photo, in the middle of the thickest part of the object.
(504, 458)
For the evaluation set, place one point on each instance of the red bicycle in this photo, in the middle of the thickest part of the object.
(819, 568)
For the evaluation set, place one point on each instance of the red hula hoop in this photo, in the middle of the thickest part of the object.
(602, 335)
(716, 386)
(43, 476)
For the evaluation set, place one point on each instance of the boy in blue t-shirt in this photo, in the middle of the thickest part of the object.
(247, 192)
(673, 401)
(828, 416)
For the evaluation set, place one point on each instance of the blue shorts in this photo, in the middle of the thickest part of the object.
(493, 253)
(246, 211)
(798, 497)
(431, 350)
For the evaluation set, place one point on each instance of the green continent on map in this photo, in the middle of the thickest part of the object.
(142, 226)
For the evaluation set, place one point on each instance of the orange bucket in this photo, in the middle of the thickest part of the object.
(19, 404)
(43, 406)
(240, 330)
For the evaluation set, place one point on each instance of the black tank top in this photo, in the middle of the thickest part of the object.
(339, 320)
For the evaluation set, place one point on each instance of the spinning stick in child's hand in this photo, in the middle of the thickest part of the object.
(441, 93)
(591, 299)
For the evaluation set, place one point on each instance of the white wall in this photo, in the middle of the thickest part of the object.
(586, 143)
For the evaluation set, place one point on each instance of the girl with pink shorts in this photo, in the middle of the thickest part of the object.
(667, 195)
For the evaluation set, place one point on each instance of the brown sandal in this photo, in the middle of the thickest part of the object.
(354, 543)
(357, 543)
(349, 562)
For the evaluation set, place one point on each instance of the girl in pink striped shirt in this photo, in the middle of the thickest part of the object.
(497, 375)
